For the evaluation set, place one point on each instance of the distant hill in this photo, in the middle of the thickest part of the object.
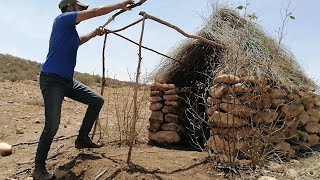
(17, 69)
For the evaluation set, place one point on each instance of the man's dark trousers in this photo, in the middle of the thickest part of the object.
(54, 88)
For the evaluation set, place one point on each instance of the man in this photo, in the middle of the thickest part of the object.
(56, 78)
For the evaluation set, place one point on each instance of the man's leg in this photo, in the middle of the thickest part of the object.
(86, 95)
(53, 94)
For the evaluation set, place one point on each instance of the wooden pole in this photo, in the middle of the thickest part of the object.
(103, 84)
(135, 95)
(181, 31)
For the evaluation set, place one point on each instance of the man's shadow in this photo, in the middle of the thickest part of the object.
(65, 171)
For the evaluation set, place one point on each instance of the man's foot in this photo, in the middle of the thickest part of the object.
(87, 143)
(40, 173)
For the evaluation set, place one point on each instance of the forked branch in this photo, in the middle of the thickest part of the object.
(181, 31)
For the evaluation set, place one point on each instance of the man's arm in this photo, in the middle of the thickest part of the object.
(87, 37)
(91, 13)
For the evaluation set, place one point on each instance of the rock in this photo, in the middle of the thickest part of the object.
(304, 145)
(241, 88)
(277, 103)
(317, 101)
(247, 98)
(266, 178)
(37, 121)
(5, 149)
(303, 118)
(156, 93)
(172, 91)
(292, 134)
(230, 99)
(278, 93)
(291, 153)
(303, 136)
(277, 137)
(255, 80)
(265, 116)
(312, 127)
(237, 110)
(162, 87)
(293, 97)
(155, 99)
(156, 116)
(292, 123)
(172, 97)
(213, 109)
(169, 109)
(237, 134)
(227, 78)
(313, 119)
(153, 127)
(212, 101)
(155, 106)
(170, 137)
(218, 90)
(314, 112)
(223, 120)
(19, 130)
(283, 147)
(256, 101)
(219, 144)
(171, 118)
(291, 110)
(172, 103)
(313, 139)
(171, 127)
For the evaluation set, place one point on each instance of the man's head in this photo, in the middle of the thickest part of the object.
(72, 5)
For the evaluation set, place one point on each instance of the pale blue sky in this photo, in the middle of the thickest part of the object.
(25, 28)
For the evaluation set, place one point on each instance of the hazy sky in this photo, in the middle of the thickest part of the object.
(25, 28)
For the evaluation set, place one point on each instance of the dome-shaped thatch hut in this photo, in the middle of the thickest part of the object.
(249, 99)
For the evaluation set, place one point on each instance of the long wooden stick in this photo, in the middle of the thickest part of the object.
(119, 35)
(181, 31)
(124, 28)
(103, 83)
(135, 95)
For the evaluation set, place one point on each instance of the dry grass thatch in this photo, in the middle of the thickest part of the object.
(247, 47)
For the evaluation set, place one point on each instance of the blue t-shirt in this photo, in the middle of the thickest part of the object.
(63, 46)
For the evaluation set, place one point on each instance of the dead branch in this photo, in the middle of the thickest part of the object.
(36, 142)
(124, 28)
(53, 154)
(119, 35)
(135, 113)
(181, 31)
(101, 174)
(20, 172)
(103, 84)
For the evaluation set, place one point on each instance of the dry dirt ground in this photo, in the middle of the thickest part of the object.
(22, 120)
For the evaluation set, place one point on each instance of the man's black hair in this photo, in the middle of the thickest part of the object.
(64, 9)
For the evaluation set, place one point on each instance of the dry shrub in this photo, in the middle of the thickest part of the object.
(119, 112)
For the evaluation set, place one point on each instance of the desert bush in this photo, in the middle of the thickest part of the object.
(118, 110)
(17, 69)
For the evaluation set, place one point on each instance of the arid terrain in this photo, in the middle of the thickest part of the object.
(22, 120)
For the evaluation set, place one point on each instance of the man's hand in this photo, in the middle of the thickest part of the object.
(99, 31)
(125, 3)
